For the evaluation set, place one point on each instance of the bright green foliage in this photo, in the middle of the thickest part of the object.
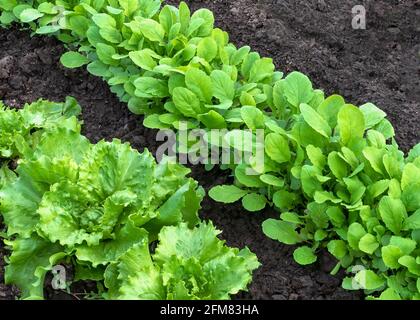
(95, 205)
(332, 158)
(188, 264)
(21, 129)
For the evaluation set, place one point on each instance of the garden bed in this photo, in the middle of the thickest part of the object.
(380, 64)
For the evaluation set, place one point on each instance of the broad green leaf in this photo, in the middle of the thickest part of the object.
(413, 221)
(227, 193)
(129, 6)
(284, 200)
(315, 121)
(354, 234)
(337, 165)
(277, 148)
(207, 49)
(223, 86)
(272, 180)
(105, 53)
(243, 176)
(103, 20)
(351, 124)
(304, 255)
(389, 294)
(73, 59)
(337, 248)
(200, 84)
(254, 202)
(213, 120)
(406, 245)
(368, 243)
(29, 262)
(253, 117)
(186, 102)
(143, 59)
(393, 213)
(316, 156)
(330, 108)
(390, 256)
(298, 89)
(372, 114)
(261, 70)
(411, 175)
(8, 4)
(369, 280)
(282, 231)
(152, 30)
(29, 15)
(148, 87)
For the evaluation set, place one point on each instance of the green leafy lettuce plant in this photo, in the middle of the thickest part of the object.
(328, 164)
(91, 205)
(188, 264)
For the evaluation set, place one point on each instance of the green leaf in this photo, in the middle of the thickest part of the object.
(330, 108)
(103, 20)
(143, 59)
(410, 176)
(298, 89)
(244, 177)
(223, 86)
(369, 280)
(73, 59)
(29, 262)
(316, 156)
(8, 5)
(390, 256)
(253, 117)
(105, 53)
(186, 102)
(272, 180)
(393, 213)
(351, 124)
(406, 245)
(304, 255)
(413, 221)
(213, 120)
(336, 216)
(282, 231)
(254, 202)
(200, 84)
(337, 165)
(207, 49)
(152, 30)
(368, 243)
(389, 294)
(261, 70)
(148, 87)
(354, 234)
(277, 148)
(129, 6)
(227, 193)
(315, 121)
(29, 15)
(337, 248)
(284, 200)
(372, 114)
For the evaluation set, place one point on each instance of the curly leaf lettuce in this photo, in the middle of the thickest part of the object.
(88, 203)
(188, 264)
(21, 129)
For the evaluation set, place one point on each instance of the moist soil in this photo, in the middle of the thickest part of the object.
(379, 65)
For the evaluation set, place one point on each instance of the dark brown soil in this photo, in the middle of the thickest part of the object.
(380, 65)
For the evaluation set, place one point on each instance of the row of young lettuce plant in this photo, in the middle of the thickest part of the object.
(333, 170)
(99, 207)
